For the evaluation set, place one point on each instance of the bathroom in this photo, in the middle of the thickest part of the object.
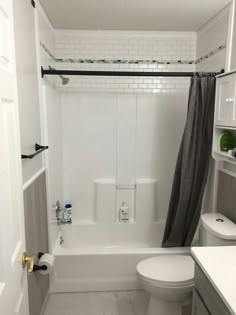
(118, 157)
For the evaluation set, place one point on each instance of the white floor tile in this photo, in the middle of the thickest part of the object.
(98, 303)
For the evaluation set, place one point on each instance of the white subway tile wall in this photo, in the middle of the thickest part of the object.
(161, 46)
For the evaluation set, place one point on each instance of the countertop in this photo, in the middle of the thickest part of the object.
(219, 265)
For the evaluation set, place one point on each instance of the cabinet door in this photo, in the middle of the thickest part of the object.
(233, 98)
(199, 307)
(225, 96)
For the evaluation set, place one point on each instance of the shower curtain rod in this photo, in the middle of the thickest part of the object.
(126, 73)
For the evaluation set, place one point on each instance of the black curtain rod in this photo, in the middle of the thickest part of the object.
(126, 73)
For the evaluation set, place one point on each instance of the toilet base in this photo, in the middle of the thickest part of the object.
(159, 307)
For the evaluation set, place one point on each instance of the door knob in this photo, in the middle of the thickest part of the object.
(29, 262)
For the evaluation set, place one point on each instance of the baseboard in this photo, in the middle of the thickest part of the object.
(78, 285)
(45, 303)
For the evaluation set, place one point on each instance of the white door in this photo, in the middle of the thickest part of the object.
(13, 279)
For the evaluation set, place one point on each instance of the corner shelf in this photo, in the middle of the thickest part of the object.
(225, 163)
(225, 127)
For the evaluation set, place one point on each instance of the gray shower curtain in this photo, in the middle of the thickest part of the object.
(192, 164)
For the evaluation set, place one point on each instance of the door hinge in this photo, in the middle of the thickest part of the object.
(33, 3)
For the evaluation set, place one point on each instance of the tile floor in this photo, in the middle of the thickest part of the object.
(98, 303)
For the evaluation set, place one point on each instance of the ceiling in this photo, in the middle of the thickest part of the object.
(145, 15)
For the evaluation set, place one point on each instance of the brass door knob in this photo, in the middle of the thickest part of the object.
(29, 262)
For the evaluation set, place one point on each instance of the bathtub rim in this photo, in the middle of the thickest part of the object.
(60, 250)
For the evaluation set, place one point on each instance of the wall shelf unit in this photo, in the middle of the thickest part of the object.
(225, 120)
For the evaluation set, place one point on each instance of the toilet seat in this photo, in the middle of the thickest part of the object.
(170, 271)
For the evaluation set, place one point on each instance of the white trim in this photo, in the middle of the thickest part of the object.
(214, 19)
(230, 37)
(43, 309)
(123, 34)
(45, 16)
(38, 61)
(33, 178)
(215, 188)
(2, 286)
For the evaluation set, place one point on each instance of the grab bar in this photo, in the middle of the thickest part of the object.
(38, 148)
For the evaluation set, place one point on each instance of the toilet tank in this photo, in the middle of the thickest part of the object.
(216, 230)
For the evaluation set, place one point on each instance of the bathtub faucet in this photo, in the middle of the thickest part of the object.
(63, 215)
(61, 240)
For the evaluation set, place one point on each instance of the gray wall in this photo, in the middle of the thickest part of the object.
(35, 203)
(227, 196)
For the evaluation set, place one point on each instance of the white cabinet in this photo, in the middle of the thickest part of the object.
(225, 111)
(225, 119)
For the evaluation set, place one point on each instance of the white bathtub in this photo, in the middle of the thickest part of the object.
(82, 266)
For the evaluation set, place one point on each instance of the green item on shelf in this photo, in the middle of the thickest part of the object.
(227, 141)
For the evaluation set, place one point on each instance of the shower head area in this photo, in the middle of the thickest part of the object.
(64, 80)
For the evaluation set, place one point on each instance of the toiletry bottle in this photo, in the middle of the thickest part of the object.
(68, 212)
(124, 213)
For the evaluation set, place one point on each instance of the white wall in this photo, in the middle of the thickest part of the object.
(46, 36)
(210, 37)
(27, 85)
(51, 120)
(111, 141)
(89, 148)
(52, 110)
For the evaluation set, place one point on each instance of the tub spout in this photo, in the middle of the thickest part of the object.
(63, 221)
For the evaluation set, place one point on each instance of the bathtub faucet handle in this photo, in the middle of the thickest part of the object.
(58, 210)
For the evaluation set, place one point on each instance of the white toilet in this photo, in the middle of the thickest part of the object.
(169, 279)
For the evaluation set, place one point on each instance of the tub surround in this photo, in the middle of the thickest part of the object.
(112, 146)
(218, 265)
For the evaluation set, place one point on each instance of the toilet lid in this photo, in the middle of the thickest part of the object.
(172, 269)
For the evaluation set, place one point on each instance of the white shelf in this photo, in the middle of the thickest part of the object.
(224, 156)
(225, 127)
